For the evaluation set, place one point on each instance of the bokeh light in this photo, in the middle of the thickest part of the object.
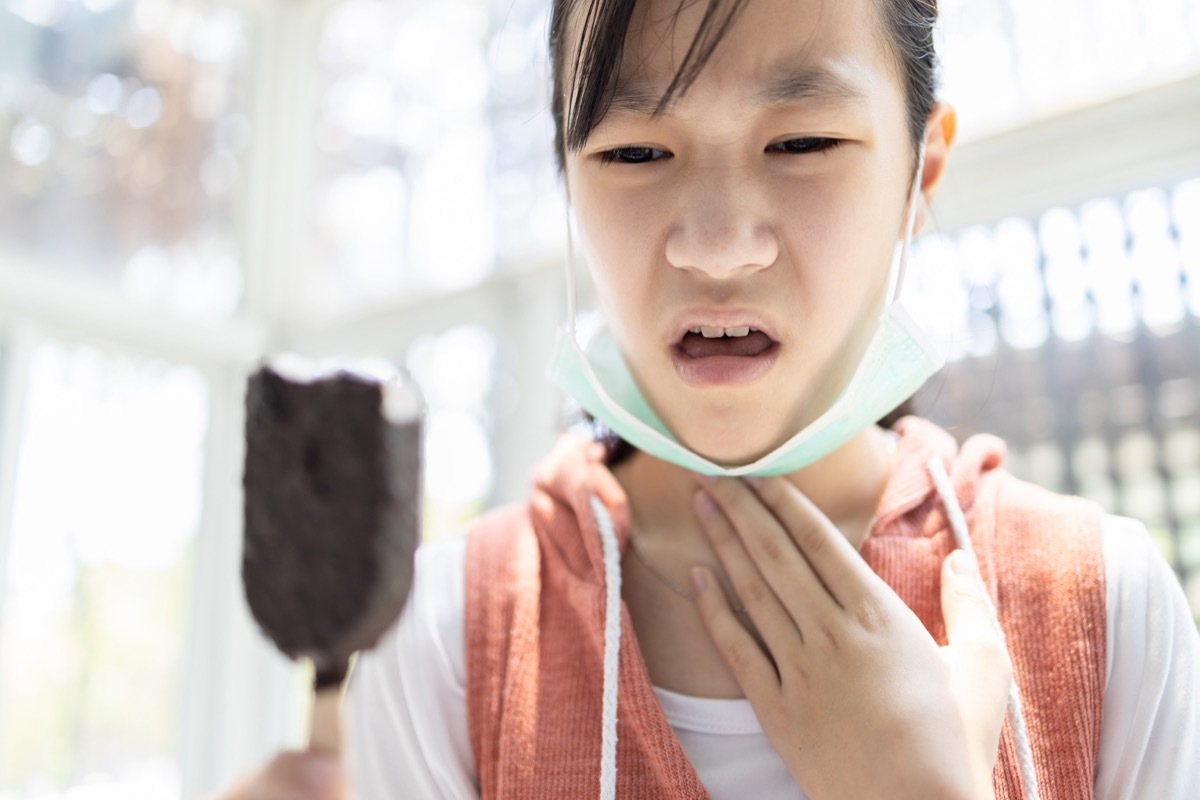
(125, 126)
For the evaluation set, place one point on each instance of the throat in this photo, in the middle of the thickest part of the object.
(847, 486)
(677, 650)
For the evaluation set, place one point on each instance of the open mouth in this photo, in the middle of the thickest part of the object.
(742, 341)
(714, 356)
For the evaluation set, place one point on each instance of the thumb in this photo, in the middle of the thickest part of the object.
(980, 668)
(966, 606)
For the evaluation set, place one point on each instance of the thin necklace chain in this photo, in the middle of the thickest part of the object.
(667, 582)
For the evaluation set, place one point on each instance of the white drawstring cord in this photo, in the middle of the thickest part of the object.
(612, 649)
(612, 641)
(1016, 717)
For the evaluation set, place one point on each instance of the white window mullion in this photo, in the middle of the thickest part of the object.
(528, 431)
(238, 692)
(276, 233)
(241, 697)
(19, 340)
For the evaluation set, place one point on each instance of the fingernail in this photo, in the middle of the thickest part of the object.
(707, 480)
(705, 507)
(754, 481)
(962, 564)
(699, 580)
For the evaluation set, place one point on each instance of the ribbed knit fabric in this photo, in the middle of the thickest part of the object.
(534, 622)
(1041, 558)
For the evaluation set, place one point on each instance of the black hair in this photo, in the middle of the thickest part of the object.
(907, 24)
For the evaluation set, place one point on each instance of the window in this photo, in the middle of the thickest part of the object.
(126, 135)
(433, 148)
(1073, 335)
(456, 370)
(95, 613)
(415, 210)
(1008, 62)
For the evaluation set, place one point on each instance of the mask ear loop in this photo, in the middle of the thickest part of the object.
(896, 280)
(570, 267)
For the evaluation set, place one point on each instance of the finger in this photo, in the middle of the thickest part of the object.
(774, 551)
(780, 629)
(311, 774)
(975, 654)
(746, 661)
(837, 565)
(327, 777)
(973, 633)
(966, 607)
(293, 775)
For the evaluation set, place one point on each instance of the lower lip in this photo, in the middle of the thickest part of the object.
(723, 370)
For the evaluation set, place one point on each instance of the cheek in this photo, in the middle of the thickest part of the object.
(842, 235)
(618, 240)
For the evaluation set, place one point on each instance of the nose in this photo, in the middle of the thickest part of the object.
(722, 227)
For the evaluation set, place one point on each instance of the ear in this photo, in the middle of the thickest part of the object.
(939, 137)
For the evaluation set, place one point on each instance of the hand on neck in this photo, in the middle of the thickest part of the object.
(846, 485)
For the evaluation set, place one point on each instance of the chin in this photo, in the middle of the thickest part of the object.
(733, 441)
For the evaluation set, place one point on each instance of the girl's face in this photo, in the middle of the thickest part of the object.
(768, 197)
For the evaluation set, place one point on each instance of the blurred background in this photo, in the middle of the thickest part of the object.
(187, 184)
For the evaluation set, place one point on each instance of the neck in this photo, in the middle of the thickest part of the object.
(845, 485)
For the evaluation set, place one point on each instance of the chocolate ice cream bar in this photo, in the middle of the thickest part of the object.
(332, 506)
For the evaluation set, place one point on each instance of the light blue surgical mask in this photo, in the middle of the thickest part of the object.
(897, 361)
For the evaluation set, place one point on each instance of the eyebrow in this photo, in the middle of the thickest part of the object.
(790, 87)
(803, 84)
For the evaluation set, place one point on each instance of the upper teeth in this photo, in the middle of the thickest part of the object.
(716, 333)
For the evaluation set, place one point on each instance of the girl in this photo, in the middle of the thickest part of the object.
(748, 590)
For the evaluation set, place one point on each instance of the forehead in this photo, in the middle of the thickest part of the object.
(776, 51)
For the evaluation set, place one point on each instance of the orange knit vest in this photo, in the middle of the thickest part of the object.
(534, 622)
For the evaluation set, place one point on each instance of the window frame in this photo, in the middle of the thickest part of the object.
(237, 696)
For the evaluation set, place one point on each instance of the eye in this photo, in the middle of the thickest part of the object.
(633, 155)
(806, 144)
